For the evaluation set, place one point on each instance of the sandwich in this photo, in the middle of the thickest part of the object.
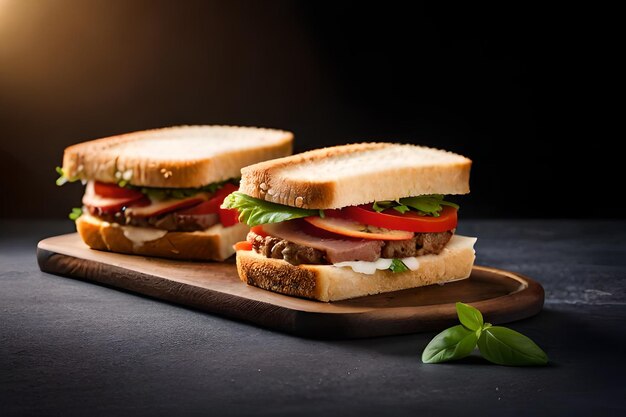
(354, 220)
(158, 192)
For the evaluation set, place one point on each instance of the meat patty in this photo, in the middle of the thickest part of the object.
(296, 254)
(273, 247)
(421, 244)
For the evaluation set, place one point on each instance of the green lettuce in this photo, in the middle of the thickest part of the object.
(253, 211)
(156, 193)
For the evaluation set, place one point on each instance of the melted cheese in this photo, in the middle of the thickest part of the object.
(369, 268)
(141, 235)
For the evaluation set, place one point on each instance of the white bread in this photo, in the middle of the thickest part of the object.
(175, 157)
(215, 243)
(355, 174)
(330, 283)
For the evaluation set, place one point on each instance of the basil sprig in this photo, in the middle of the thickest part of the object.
(398, 266)
(253, 211)
(426, 205)
(497, 344)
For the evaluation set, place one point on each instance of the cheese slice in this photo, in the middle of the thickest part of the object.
(369, 268)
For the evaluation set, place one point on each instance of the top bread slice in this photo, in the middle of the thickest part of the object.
(175, 157)
(356, 174)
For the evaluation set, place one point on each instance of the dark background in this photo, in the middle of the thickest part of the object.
(521, 91)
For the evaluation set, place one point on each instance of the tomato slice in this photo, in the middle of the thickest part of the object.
(205, 207)
(409, 221)
(109, 202)
(105, 190)
(259, 230)
(228, 217)
(347, 227)
(244, 245)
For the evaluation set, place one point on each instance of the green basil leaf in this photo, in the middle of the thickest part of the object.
(76, 213)
(402, 209)
(253, 211)
(398, 266)
(454, 343)
(447, 203)
(424, 204)
(469, 316)
(504, 346)
(379, 206)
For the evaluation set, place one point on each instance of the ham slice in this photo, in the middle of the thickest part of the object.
(336, 247)
(158, 207)
(109, 204)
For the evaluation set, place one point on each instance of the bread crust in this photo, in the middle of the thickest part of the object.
(214, 243)
(213, 155)
(329, 283)
(334, 177)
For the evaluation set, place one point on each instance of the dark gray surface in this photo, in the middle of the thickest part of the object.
(72, 348)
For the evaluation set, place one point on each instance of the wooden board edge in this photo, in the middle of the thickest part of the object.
(152, 286)
(391, 321)
(406, 320)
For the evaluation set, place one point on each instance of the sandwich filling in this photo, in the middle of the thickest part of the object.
(393, 231)
(166, 209)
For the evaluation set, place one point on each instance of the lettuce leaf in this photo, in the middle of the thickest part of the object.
(156, 193)
(253, 211)
(63, 178)
(180, 193)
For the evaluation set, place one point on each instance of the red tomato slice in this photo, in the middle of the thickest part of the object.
(113, 191)
(409, 221)
(347, 227)
(228, 217)
(242, 246)
(111, 204)
(259, 230)
(225, 190)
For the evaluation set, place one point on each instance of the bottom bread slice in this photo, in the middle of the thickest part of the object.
(331, 283)
(215, 243)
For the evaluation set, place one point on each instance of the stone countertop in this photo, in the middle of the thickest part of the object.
(69, 347)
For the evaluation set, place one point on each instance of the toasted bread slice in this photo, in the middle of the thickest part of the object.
(215, 243)
(330, 283)
(355, 174)
(175, 157)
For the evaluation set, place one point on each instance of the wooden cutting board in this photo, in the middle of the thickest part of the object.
(502, 296)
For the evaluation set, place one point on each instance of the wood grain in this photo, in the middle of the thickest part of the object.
(502, 296)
